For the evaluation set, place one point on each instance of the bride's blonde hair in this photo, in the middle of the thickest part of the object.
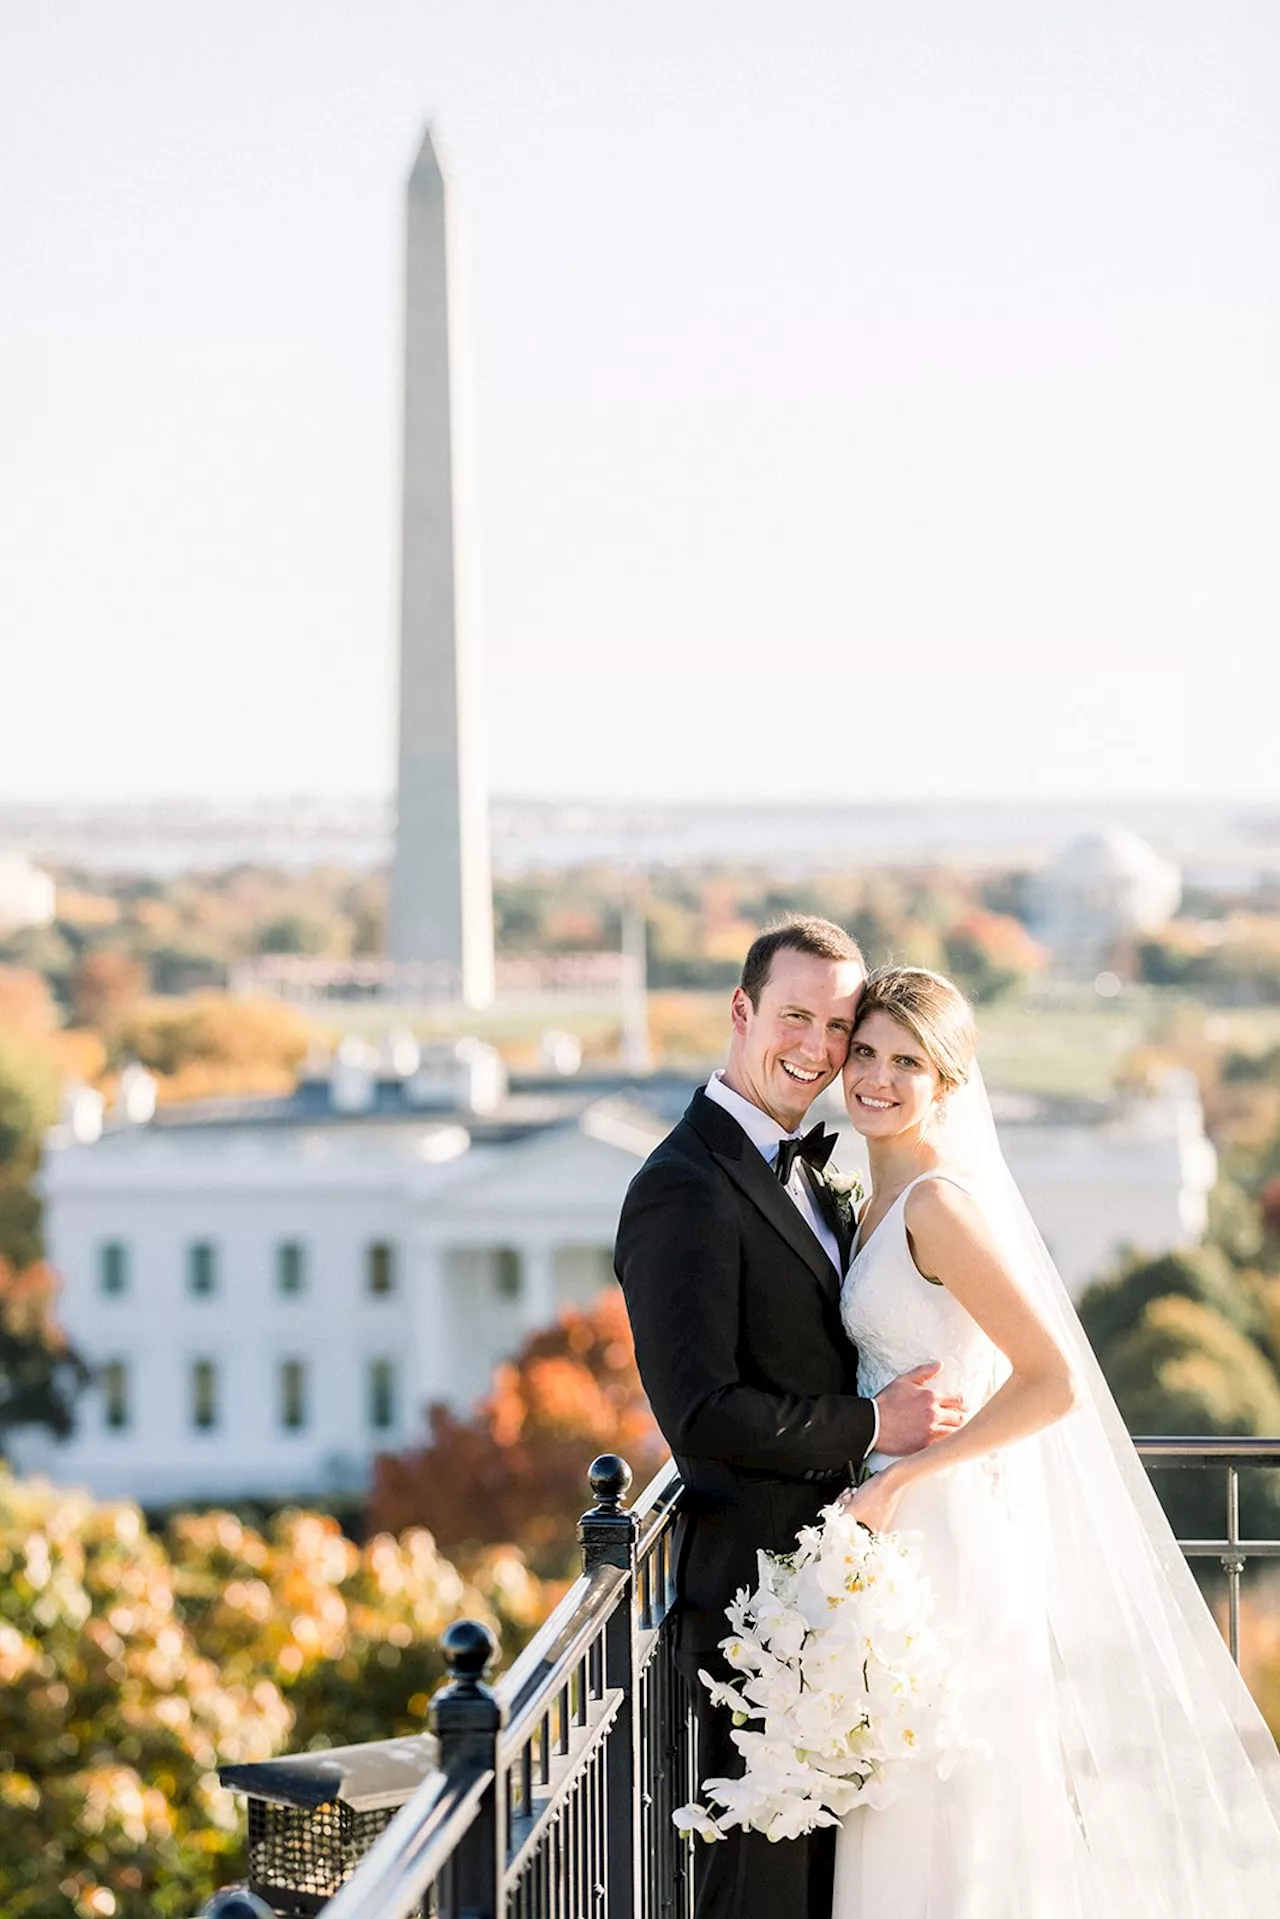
(933, 1010)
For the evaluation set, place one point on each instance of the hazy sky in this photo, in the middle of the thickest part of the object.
(872, 399)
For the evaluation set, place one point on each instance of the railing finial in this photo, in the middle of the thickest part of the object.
(466, 1717)
(607, 1533)
(609, 1478)
(469, 1650)
(237, 1902)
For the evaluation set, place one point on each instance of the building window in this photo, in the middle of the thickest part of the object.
(115, 1395)
(113, 1267)
(204, 1395)
(582, 1273)
(382, 1395)
(380, 1267)
(202, 1269)
(293, 1395)
(508, 1278)
(290, 1267)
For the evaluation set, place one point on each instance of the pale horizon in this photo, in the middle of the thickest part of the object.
(870, 408)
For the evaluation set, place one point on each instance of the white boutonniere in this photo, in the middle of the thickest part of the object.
(846, 1190)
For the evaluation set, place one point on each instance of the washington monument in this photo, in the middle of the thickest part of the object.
(441, 913)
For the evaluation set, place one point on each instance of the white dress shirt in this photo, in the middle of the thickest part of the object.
(766, 1136)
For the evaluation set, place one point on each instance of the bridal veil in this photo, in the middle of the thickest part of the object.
(1170, 1770)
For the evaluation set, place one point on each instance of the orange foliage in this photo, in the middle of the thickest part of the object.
(686, 1026)
(515, 1468)
(27, 1011)
(572, 926)
(1005, 940)
(86, 909)
(105, 985)
(78, 1054)
(29, 1015)
(210, 1045)
(27, 1303)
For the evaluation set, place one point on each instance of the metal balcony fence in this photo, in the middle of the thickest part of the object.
(550, 1795)
(1233, 1553)
(547, 1797)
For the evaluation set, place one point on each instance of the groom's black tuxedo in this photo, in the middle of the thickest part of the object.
(735, 1308)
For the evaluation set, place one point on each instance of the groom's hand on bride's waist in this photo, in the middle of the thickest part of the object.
(913, 1413)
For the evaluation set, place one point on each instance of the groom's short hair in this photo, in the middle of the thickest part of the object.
(801, 933)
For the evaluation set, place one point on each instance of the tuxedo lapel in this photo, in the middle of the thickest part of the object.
(825, 1201)
(749, 1172)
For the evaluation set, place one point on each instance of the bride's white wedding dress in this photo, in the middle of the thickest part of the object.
(1125, 1772)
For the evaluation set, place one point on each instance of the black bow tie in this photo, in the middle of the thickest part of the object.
(817, 1147)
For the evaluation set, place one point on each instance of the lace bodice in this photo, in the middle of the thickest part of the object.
(898, 1319)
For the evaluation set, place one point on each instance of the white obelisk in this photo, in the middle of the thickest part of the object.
(441, 912)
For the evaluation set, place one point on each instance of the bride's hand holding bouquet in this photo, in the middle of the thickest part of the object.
(874, 1503)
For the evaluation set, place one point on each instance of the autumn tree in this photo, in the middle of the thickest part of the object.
(212, 1044)
(106, 984)
(40, 1375)
(1185, 1342)
(28, 1107)
(28, 1012)
(348, 1633)
(990, 953)
(132, 1665)
(1114, 1305)
(1184, 1370)
(111, 1721)
(515, 1468)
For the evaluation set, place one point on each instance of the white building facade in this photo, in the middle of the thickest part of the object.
(271, 1296)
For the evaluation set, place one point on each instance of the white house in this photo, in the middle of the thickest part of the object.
(272, 1291)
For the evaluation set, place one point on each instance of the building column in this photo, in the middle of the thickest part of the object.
(431, 1333)
(539, 1293)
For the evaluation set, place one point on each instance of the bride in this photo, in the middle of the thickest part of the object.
(1119, 1769)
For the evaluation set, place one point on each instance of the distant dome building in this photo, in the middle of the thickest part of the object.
(1100, 889)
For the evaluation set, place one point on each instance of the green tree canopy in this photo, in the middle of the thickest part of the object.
(28, 1107)
(1235, 1223)
(1114, 1305)
(1183, 1369)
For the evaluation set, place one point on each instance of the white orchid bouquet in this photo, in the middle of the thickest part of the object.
(844, 1690)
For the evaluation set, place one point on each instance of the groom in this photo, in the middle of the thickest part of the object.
(730, 1252)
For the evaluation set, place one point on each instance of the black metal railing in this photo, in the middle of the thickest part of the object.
(550, 1795)
(1233, 1553)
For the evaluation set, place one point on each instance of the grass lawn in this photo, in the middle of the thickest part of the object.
(1071, 1050)
(1067, 1041)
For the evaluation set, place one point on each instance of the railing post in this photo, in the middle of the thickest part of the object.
(1233, 1562)
(608, 1537)
(466, 1718)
